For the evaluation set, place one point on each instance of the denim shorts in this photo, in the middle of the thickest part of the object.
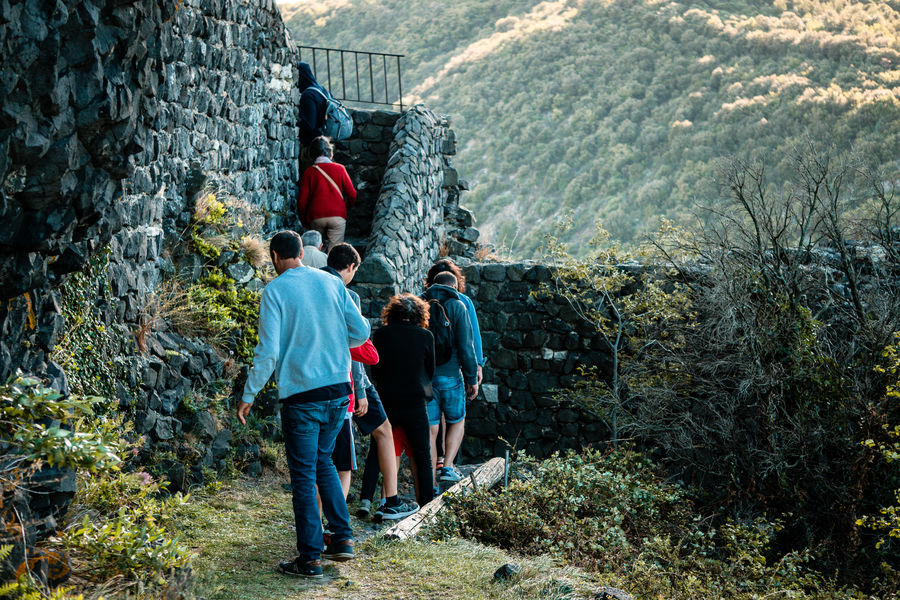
(449, 397)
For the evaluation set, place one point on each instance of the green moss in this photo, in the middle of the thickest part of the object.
(94, 356)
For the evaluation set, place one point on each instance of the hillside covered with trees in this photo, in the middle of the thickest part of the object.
(623, 110)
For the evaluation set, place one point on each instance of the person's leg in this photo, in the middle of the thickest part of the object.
(336, 231)
(303, 436)
(453, 396)
(455, 433)
(376, 424)
(384, 438)
(370, 472)
(320, 225)
(344, 476)
(418, 435)
(439, 446)
(344, 455)
(333, 503)
(433, 411)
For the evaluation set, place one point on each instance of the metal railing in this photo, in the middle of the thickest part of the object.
(379, 67)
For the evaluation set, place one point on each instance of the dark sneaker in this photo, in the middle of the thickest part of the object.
(400, 511)
(364, 508)
(449, 474)
(301, 568)
(339, 551)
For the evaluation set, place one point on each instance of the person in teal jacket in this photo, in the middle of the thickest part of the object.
(445, 265)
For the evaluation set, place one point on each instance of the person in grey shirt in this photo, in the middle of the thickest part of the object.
(312, 250)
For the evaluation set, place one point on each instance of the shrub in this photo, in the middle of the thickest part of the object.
(589, 508)
(126, 546)
(616, 514)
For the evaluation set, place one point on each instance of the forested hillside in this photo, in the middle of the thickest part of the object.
(622, 110)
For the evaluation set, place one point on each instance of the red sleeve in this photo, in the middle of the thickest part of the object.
(366, 354)
(347, 187)
(303, 196)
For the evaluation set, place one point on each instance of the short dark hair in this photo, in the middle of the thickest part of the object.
(321, 146)
(446, 278)
(406, 308)
(342, 256)
(286, 244)
(445, 265)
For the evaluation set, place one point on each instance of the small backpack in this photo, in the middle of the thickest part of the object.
(338, 122)
(442, 330)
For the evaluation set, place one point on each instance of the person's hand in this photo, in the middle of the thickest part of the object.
(471, 391)
(243, 410)
(480, 375)
(362, 406)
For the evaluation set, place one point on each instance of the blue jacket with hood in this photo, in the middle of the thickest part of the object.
(463, 356)
(312, 105)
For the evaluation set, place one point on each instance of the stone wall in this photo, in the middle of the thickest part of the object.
(113, 117)
(417, 214)
(533, 345)
(365, 155)
(221, 110)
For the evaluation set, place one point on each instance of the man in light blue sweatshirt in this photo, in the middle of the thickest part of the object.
(307, 324)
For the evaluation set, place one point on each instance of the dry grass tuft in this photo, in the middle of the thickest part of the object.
(254, 250)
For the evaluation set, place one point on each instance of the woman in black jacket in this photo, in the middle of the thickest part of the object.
(403, 379)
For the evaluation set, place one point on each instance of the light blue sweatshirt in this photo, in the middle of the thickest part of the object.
(307, 324)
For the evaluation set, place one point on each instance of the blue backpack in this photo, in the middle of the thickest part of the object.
(338, 122)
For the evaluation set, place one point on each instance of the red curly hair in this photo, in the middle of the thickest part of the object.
(405, 308)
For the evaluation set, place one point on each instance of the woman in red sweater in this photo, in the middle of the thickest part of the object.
(326, 193)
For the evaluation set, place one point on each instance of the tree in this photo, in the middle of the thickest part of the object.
(628, 306)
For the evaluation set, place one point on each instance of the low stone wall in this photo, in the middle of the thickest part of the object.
(533, 344)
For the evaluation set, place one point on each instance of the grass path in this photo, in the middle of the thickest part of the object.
(241, 532)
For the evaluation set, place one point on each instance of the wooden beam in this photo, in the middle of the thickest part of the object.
(484, 476)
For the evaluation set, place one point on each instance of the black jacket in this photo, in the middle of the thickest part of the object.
(463, 357)
(405, 365)
(312, 105)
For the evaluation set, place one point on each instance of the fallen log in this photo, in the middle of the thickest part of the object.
(484, 476)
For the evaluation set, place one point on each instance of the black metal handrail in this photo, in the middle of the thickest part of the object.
(368, 63)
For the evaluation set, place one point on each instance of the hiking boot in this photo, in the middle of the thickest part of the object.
(301, 568)
(339, 551)
(449, 474)
(364, 508)
(398, 511)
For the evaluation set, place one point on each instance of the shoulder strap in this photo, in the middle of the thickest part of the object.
(324, 95)
(330, 180)
(440, 305)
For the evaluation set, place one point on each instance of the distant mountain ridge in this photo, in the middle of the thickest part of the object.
(622, 110)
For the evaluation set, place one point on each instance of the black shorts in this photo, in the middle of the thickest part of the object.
(374, 417)
(344, 454)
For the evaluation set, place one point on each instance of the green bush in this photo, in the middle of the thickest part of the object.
(129, 545)
(617, 515)
(40, 425)
(589, 508)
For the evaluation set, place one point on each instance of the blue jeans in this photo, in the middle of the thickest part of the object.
(309, 433)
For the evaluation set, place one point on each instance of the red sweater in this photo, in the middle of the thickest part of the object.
(318, 199)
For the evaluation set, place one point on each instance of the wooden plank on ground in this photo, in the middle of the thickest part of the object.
(484, 476)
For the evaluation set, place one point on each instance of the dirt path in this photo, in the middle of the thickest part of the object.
(241, 532)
